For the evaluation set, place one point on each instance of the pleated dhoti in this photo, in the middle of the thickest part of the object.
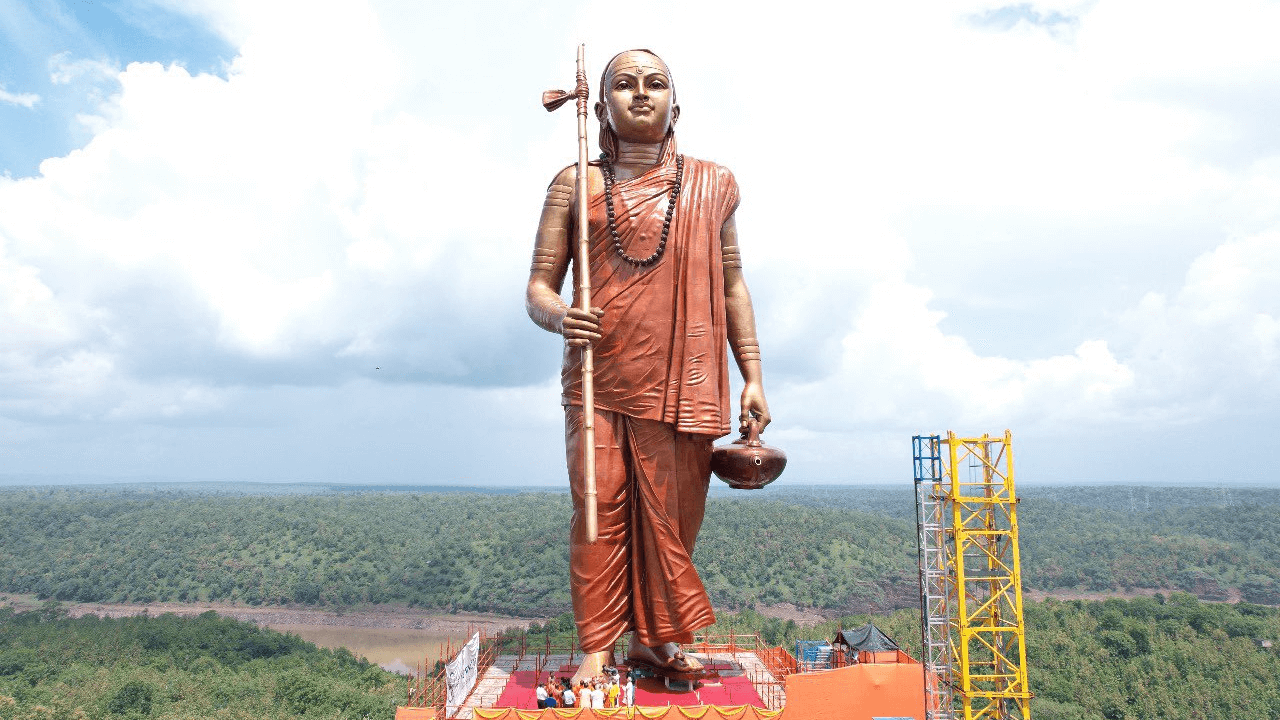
(651, 484)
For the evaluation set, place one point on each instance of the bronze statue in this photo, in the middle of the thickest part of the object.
(667, 294)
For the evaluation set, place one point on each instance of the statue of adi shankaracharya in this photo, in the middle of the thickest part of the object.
(667, 294)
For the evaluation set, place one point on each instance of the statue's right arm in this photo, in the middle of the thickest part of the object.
(551, 253)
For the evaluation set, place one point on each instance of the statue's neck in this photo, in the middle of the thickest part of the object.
(633, 159)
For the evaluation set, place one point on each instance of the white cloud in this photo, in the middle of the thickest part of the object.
(26, 100)
(294, 209)
(63, 70)
(1063, 217)
(899, 369)
(1211, 349)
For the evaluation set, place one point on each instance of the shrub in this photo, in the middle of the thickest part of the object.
(131, 699)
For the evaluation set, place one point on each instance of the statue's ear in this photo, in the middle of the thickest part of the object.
(600, 112)
(675, 114)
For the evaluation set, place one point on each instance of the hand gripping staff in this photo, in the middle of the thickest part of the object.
(551, 100)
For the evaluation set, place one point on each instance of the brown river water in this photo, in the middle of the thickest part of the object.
(396, 649)
(396, 638)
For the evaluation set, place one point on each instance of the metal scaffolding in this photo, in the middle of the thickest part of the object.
(970, 579)
(935, 584)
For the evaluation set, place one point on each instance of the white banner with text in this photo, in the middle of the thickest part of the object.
(460, 674)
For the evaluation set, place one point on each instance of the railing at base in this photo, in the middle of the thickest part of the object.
(429, 689)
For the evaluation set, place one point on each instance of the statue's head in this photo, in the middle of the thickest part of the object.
(637, 101)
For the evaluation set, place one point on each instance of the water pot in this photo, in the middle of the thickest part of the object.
(747, 463)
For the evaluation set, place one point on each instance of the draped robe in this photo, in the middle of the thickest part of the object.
(662, 397)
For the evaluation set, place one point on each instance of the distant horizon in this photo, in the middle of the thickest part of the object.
(29, 480)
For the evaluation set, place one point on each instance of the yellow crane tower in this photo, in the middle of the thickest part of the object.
(970, 579)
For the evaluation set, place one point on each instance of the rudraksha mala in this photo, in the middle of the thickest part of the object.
(666, 222)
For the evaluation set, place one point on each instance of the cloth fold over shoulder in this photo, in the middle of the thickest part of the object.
(663, 354)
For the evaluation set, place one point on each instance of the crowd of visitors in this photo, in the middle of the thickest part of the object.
(608, 690)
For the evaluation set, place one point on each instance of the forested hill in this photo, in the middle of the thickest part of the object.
(837, 549)
(54, 667)
(1151, 658)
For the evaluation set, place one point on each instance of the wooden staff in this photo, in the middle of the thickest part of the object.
(551, 100)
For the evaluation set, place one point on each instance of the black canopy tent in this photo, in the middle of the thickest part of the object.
(868, 637)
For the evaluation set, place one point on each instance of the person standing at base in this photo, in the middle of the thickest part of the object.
(666, 274)
(627, 691)
(611, 694)
(541, 695)
(570, 699)
(597, 695)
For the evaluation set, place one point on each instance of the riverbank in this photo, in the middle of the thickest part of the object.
(395, 637)
(377, 616)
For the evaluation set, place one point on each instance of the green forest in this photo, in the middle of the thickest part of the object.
(846, 552)
(53, 667)
(1156, 658)
(836, 550)
(1161, 658)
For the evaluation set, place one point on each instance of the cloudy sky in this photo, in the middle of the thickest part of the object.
(288, 241)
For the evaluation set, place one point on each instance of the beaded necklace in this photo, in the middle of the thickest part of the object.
(666, 222)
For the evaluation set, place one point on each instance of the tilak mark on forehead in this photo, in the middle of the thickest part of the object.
(649, 69)
(644, 68)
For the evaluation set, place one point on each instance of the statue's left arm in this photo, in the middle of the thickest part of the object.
(741, 320)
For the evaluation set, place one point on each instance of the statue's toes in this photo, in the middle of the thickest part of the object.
(683, 663)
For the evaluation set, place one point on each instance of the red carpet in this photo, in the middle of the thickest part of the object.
(520, 689)
(730, 691)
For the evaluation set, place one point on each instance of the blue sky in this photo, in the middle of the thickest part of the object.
(56, 62)
(280, 241)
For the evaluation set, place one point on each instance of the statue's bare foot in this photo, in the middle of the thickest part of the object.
(593, 664)
(665, 658)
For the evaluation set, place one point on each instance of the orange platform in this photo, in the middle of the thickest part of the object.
(857, 692)
(862, 691)
(669, 712)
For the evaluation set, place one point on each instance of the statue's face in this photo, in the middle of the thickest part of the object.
(638, 98)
